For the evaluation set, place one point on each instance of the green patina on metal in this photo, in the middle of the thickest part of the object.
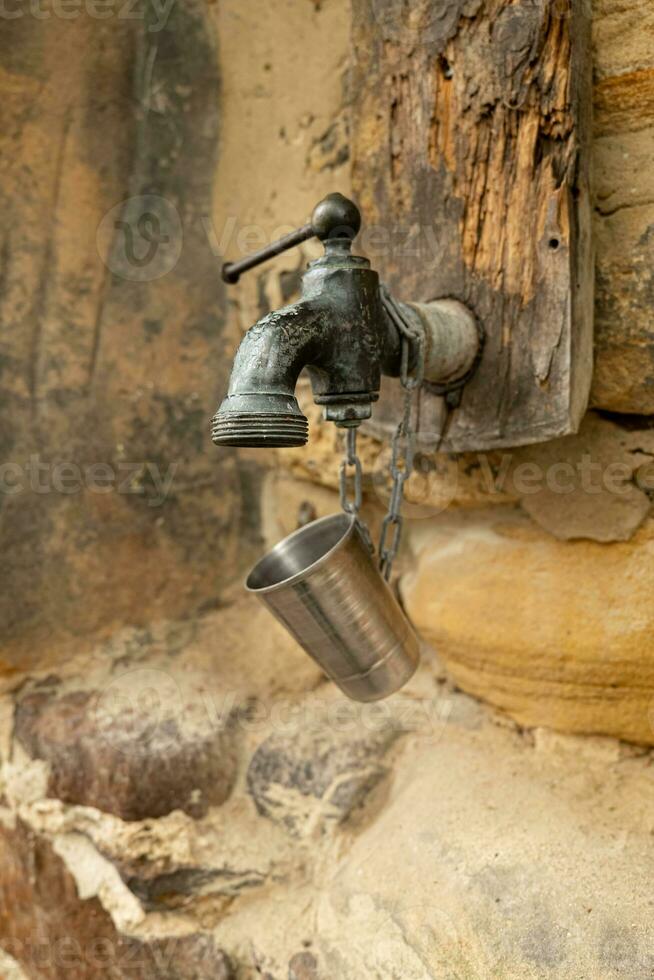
(339, 331)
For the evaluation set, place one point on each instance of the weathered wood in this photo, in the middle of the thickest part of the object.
(470, 142)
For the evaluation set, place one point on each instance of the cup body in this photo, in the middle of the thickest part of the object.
(322, 583)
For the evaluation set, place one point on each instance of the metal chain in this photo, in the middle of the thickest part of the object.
(403, 444)
(412, 366)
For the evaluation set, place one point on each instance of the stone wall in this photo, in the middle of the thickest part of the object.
(193, 801)
(624, 206)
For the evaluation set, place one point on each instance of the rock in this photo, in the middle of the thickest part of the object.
(621, 37)
(152, 720)
(320, 460)
(113, 498)
(584, 486)
(141, 747)
(317, 776)
(621, 176)
(624, 192)
(288, 503)
(555, 633)
(9, 968)
(194, 957)
(53, 934)
(624, 344)
(185, 886)
(490, 862)
(440, 480)
(579, 486)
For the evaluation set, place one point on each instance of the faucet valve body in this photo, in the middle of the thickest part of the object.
(339, 332)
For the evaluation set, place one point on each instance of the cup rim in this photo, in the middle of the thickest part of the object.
(299, 576)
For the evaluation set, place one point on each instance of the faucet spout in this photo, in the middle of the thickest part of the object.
(261, 408)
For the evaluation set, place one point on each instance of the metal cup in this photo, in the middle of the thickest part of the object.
(322, 584)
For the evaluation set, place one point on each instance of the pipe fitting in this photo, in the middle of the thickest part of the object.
(453, 340)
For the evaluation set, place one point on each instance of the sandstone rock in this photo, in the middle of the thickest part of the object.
(152, 720)
(624, 365)
(271, 172)
(54, 935)
(189, 886)
(579, 486)
(620, 173)
(624, 191)
(315, 778)
(587, 485)
(480, 853)
(10, 970)
(555, 633)
(288, 503)
(494, 860)
(440, 480)
(194, 957)
(108, 369)
(624, 102)
(621, 35)
(139, 748)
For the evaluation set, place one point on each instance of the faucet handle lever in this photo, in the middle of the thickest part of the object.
(232, 271)
(334, 217)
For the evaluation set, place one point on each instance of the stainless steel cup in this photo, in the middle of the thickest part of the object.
(323, 585)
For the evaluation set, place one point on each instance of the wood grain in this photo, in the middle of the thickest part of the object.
(470, 133)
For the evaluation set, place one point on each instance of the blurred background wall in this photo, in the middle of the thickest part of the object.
(140, 147)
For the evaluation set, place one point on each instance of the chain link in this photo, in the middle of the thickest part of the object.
(412, 365)
(402, 448)
(351, 505)
(403, 444)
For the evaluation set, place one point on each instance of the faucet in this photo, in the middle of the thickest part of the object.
(342, 332)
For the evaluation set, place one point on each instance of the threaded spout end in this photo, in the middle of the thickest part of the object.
(259, 430)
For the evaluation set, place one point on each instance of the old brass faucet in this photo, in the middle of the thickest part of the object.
(341, 332)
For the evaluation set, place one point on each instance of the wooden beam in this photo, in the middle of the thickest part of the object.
(471, 130)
